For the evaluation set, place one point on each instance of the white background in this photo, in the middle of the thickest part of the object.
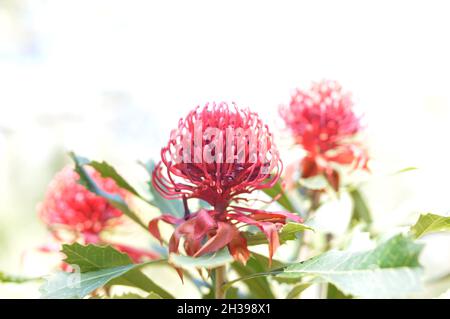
(109, 79)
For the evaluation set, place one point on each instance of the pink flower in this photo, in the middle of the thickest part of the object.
(322, 121)
(71, 209)
(203, 161)
(69, 205)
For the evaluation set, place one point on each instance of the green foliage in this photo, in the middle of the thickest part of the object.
(334, 293)
(288, 232)
(297, 290)
(7, 278)
(114, 199)
(220, 258)
(97, 266)
(390, 270)
(259, 287)
(361, 211)
(151, 295)
(107, 170)
(283, 199)
(405, 170)
(174, 207)
(91, 258)
(64, 285)
(430, 223)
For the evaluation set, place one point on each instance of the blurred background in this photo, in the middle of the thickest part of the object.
(109, 79)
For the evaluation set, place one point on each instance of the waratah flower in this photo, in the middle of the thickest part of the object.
(323, 123)
(73, 213)
(219, 154)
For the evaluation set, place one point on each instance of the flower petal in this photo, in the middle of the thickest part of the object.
(153, 224)
(268, 228)
(238, 248)
(224, 235)
(199, 225)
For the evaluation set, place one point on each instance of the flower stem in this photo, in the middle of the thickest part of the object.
(219, 282)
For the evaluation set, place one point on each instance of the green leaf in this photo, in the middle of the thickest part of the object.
(93, 258)
(64, 285)
(217, 259)
(259, 287)
(7, 278)
(335, 293)
(288, 232)
(232, 293)
(151, 295)
(404, 170)
(361, 211)
(297, 290)
(90, 258)
(390, 270)
(107, 171)
(114, 199)
(276, 268)
(166, 206)
(283, 199)
(135, 278)
(430, 223)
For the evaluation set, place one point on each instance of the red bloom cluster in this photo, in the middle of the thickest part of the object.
(241, 164)
(71, 208)
(322, 121)
(246, 161)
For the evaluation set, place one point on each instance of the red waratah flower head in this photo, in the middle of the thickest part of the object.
(216, 154)
(70, 208)
(219, 154)
(323, 122)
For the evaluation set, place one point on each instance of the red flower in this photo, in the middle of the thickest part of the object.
(69, 205)
(322, 121)
(71, 209)
(217, 154)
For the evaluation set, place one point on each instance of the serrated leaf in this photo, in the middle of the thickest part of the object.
(390, 270)
(283, 199)
(64, 285)
(166, 206)
(217, 259)
(259, 287)
(430, 223)
(107, 171)
(114, 199)
(92, 258)
(288, 232)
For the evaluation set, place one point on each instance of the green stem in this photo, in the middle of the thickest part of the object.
(220, 279)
